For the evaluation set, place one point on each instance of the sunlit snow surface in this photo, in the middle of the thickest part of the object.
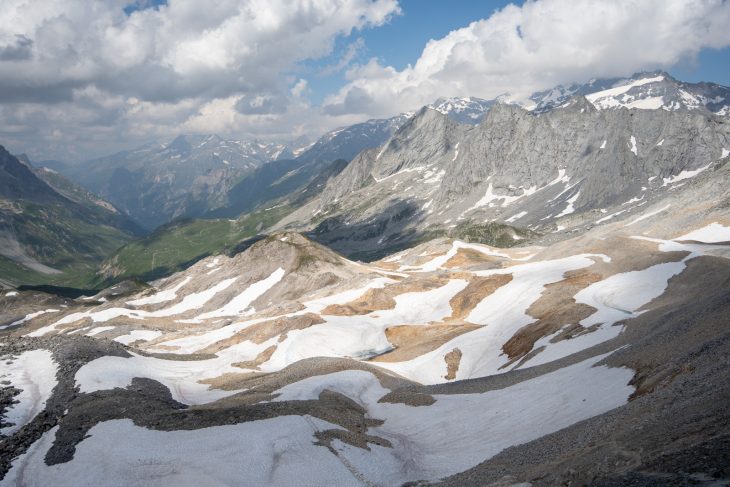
(277, 452)
(241, 303)
(134, 335)
(34, 373)
(455, 433)
(429, 442)
(712, 233)
(610, 98)
(684, 175)
(459, 431)
(161, 296)
(28, 317)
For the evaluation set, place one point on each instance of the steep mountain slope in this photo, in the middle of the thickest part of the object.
(178, 245)
(49, 237)
(259, 202)
(568, 167)
(596, 359)
(291, 183)
(591, 352)
(205, 176)
(347, 142)
(291, 179)
(87, 199)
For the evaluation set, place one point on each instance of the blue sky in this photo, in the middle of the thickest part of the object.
(710, 65)
(401, 41)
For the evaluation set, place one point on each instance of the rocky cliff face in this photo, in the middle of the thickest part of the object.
(520, 167)
(607, 155)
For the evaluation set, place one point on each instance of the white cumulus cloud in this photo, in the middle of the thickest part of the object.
(102, 68)
(521, 49)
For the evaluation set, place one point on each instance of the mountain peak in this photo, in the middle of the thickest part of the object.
(469, 110)
(579, 103)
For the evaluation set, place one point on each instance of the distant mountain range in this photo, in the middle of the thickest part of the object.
(568, 168)
(643, 90)
(207, 176)
(188, 176)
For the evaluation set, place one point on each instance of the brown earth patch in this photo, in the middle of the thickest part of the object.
(373, 299)
(388, 266)
(383, 298)
(260, 332)
(452, 359)
(468, 257)
(260, 359)
(477, 289)
(647, 381)
(230, 381)
(411, 341)
(555, 309)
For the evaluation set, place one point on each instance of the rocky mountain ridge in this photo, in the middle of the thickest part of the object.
(534, 170)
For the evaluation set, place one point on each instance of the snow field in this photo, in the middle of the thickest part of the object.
(34, 373)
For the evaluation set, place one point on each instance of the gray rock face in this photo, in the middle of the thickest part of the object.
(533, 170)
(513, 148)
(426, 138)
(348, 142)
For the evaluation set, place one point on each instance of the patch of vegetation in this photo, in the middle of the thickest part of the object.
(178, 245)
(493, 233)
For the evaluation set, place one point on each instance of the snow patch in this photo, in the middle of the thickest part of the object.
(29, 317)
(647, 215)
(569, 209)
(516, 217)
(162, 296)
(606, 98)
(241, 303)
(633, 146)
(684, 175)
(712, 233)
(99, 329)
(134, 335)
(457, 424)
(280, 451)
(34, 373)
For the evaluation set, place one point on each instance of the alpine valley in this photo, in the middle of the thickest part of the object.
(479, 292)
